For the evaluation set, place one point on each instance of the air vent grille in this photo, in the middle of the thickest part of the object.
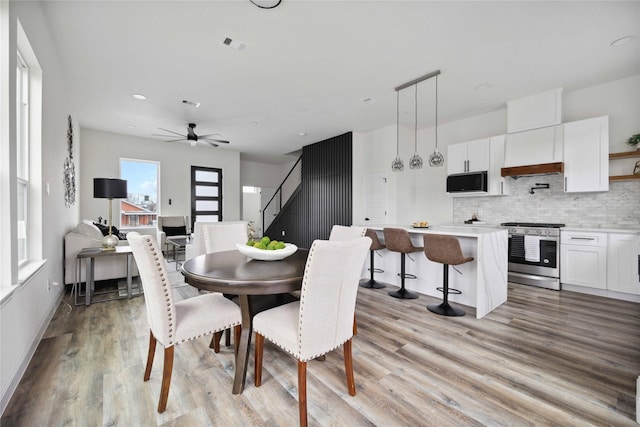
(235, 44)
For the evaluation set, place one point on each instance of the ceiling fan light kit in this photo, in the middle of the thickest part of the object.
(192, 138)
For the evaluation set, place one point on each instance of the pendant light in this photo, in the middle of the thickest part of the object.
(416, 161)
(397, 165)
(436, 159)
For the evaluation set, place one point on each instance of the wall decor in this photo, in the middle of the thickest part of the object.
(69, 170)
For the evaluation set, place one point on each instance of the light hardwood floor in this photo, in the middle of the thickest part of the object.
(543, 358)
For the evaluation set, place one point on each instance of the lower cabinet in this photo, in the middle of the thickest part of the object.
(623, 267)
(583, 259)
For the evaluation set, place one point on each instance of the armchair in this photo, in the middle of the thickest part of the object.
(171, 226)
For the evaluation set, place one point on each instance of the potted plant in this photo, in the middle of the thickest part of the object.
(634, 141)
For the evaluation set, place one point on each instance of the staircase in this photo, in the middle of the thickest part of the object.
(290, 186)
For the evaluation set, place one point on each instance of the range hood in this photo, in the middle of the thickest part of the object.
(534, 142)
(538, 169)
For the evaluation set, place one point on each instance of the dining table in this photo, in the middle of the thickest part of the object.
(233, 273)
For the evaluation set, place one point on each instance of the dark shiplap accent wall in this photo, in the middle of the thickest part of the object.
(326, 195)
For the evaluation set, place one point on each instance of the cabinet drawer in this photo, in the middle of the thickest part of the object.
(583, 238)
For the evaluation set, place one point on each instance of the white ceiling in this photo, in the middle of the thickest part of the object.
(310, 64)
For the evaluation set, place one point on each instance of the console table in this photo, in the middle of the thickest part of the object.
(90, 255)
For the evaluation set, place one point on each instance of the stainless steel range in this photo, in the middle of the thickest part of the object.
(534, 253)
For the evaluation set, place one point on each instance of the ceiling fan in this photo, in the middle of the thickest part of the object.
(192, 138)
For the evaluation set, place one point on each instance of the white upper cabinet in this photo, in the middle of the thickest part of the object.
(472, 156)
(534, 147)
(535, 111)
(586, 155)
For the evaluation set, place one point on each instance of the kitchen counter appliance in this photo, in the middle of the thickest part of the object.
(534, 253)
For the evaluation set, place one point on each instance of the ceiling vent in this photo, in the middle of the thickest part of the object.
(235, 44)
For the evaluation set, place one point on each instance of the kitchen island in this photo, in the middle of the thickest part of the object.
(483, 281)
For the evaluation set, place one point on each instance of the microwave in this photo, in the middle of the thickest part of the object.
(473, 182)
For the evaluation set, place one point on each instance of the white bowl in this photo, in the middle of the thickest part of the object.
(265, 255)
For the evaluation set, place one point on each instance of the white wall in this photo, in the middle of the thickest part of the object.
(26, 312)
(420, 195)
(101, 153)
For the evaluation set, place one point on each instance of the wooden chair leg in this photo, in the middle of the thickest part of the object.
(166, 378)
(150, 356)
(302, 392)
(257, 369)
(237, 330)
(348, 367)
(355, 325)
(227, 337)
(215, 342)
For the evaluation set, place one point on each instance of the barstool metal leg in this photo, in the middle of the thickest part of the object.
(403, 292)
(444, 308)
(372, 283)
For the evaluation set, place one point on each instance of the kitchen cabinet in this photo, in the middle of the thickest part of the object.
(583, 259)
(535, 111)
(586, 155)
(623, 263)
(485, 154)
(471, 156)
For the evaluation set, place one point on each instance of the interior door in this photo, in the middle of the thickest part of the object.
(376, 197)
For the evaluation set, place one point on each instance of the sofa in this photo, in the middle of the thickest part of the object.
(87, 235)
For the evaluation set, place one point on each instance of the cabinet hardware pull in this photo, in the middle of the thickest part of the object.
(583, 238)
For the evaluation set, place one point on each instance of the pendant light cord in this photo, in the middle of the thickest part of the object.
(397, 124)
(436, 112)
(415, 147)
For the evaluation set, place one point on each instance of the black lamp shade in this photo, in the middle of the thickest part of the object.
(109, 188)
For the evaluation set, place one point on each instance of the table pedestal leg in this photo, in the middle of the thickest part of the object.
(242, 359)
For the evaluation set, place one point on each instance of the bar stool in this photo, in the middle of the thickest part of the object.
(398, 240)
(376, 245)
(445, 250)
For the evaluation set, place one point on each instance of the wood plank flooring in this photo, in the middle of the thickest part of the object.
(544, 358)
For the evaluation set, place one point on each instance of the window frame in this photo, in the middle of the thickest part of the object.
(156, 213)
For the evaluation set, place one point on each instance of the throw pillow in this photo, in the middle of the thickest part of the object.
(175, 231)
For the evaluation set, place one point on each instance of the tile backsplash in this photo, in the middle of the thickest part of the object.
(619, 207)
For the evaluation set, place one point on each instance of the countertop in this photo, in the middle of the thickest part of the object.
(461, 230)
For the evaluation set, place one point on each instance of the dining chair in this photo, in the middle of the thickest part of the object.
(342, 232)
(322, 319)
(172, 322)
(221, 236)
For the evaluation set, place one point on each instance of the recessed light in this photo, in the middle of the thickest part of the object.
(622, 41)
(191, 103)
(483, 86)
(131, 126)
(302, 134)
(139, 96)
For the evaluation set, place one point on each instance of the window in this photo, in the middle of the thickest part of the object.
(22, 157)
(140, 208)
(206, 194)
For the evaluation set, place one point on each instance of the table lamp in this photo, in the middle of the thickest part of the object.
(109, 188)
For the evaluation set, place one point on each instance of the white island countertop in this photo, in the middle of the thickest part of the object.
(483, 281)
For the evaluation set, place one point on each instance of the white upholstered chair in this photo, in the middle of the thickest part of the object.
(328, 299)
(221, 236)
(173, 322)
(342, 232)
(171, 226)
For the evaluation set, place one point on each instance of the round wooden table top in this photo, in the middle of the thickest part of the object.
(233, 273)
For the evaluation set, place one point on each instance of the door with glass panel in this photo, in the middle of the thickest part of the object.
(206, 194)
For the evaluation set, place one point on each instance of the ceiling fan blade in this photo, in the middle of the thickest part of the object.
(208, 142)
(175, 133)
(213, 140)
(207, 135)
(178, 140)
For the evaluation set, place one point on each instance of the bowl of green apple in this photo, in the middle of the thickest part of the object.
(266, 249)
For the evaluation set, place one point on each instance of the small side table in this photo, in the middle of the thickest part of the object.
(179, 247)
(90, 255)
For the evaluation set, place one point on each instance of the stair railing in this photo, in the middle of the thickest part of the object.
(282, 194)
